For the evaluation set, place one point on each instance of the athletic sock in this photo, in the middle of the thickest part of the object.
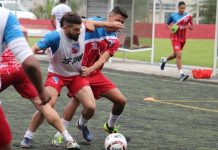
(112, 120)
(67, 136)
(82, 121)
(65, 122)
(181, 72)
(165, 60)
(29, 134)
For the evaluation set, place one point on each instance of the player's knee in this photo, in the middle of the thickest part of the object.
(121, 101)
(91, 108)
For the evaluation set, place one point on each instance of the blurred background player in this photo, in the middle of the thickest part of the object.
(66, 51)
(178, 23)
(12, 37)
(100, 46)
(58, 12)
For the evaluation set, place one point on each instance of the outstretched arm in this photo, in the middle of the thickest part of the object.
(91, 25)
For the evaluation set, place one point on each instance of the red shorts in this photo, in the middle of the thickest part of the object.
(73, 84)
(100, 84)
(5, 132)
(177, 45)
(16, 76)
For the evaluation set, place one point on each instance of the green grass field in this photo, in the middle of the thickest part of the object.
(185, 117)
(195, 52)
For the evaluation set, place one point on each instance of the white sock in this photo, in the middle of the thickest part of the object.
(65, 122)
(67, 136)
(181, 72)
(165, 60)
(29, 134)
(112, 120)
(82, 121)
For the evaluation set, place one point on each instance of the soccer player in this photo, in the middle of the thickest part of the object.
(66, 51)
(12, 37)
(100, 46)
(57, 13)
(178, 23)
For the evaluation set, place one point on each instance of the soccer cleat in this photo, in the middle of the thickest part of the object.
(162, 66)
(72, 145)
(26, 143)
(57, 141)
(110, 129)
(85, 131)
(183, 77)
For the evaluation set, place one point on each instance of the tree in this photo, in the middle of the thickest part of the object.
(44, 11)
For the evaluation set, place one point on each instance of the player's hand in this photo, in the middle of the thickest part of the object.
(115, 25)
(85, 71)
(44, 97)
(89, 26)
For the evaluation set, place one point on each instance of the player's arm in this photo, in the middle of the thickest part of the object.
(92, 24)
(169, 22)
(87, 70)
(35, 48)
(191, 23)
(32, 69)
(13, 36)
(50, 40)
(112, 48)
(108, 24)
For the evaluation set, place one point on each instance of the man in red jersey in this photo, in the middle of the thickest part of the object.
(100, 46)
(178, 23)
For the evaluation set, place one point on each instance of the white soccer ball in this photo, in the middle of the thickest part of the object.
(115, 141)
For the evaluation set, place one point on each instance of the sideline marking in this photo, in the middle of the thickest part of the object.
(151, 99)
(186, 101)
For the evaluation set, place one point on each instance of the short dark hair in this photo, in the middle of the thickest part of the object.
(120, 10)
(70, 18)
(181, 3)
(62, 1)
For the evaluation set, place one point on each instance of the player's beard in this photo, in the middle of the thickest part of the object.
(73, 37)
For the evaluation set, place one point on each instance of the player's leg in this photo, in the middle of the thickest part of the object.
(172, 56)
(5, 132)
(68, 114)
(119, 101)
(81, 90)
(178, 46)
(103, 87)
(70, 109)
(51, 116)
(86, 98)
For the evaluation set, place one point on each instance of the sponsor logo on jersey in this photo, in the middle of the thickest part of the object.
(111, 43)
(75, 48)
